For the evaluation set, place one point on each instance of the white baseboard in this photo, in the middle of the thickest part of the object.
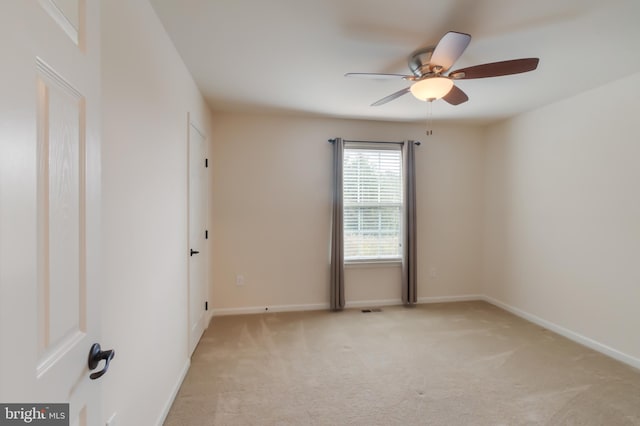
(571, 335)
(372, 303)
(174, 393)
(448, 299)
(433, 299)
(218, 312)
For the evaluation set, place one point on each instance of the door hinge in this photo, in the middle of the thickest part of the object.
(206, 162)
(206, 306)
(206, 234)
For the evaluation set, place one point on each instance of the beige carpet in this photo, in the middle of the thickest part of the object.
(446, 364)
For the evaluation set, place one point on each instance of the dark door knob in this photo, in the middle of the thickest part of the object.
(96, 354)
(193, 252)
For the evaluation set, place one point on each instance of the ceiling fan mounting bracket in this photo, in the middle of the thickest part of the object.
(419, 61)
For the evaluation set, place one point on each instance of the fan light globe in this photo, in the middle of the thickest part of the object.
(431, 88)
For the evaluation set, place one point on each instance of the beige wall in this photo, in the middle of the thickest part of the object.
(272, 201)
(562, 236)
(541, 215)
(147, 93)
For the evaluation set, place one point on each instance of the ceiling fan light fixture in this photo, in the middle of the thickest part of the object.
(431, 88)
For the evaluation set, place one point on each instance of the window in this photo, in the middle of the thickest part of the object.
(372, 194)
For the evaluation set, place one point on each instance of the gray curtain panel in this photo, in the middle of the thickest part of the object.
(337, 245)
(409, 258)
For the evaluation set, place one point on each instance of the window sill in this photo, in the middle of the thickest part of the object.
(373, 263)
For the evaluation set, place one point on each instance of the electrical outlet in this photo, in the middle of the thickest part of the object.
(239, 279)
(433, 272)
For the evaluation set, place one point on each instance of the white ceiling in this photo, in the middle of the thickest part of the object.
(291, 55)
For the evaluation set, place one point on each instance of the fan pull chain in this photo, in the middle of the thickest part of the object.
(429, 131)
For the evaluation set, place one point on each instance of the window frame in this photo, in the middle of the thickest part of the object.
(377, 260)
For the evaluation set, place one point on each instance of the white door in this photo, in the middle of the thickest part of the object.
(50, 203)
(197, 235)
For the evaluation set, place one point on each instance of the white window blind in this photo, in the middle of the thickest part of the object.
(372, 203)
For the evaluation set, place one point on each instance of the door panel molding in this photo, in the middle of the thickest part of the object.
(61, 248)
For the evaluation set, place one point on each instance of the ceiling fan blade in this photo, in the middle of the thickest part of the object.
(496, 69)
(456, 96)
(375, 76)
(391, 97)
(449, 49)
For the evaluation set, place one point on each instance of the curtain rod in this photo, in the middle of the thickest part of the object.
(397, 143)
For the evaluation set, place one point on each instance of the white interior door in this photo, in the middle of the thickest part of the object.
(50, 203)
(197, 235)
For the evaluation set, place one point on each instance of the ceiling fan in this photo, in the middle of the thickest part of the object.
(429, 68)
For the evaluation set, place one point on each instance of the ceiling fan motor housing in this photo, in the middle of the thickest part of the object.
(419, 61)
